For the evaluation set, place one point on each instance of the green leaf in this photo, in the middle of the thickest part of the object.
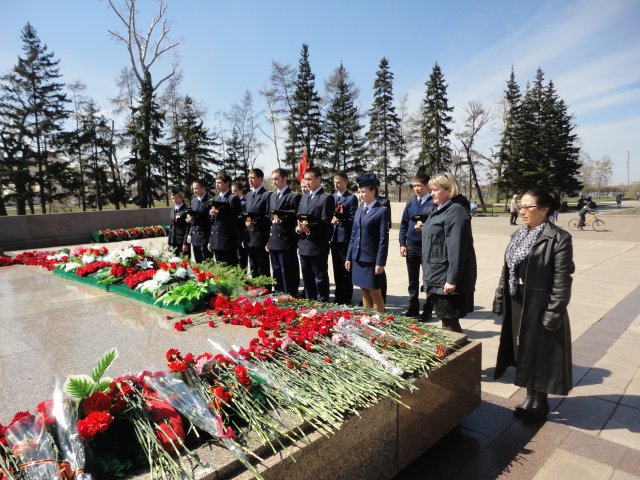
(79, 386)
(104, 363)
(103, 385)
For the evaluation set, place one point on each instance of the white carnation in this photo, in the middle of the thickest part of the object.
(162, 276)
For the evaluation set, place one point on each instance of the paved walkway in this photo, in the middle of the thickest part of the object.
(594, 433)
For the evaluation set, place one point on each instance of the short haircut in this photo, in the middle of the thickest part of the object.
(224, 176)
(282, 172)
(315, 171)
(180, 195)
(422, 177)
(447, 181)
(201, 182)
(257, 172)
(239, 185)
(342, 176)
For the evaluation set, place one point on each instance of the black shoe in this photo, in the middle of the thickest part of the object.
(410, 313)
(426, 317)
(539, 409)
(522, 409)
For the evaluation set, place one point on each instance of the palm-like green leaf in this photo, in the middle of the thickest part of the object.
(79, 386)
(104, 363)
(103, 385)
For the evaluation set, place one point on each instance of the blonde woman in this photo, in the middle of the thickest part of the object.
(448, 256)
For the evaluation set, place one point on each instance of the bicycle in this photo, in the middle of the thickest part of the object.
(590, 220)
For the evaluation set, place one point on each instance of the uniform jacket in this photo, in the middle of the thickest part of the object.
(448, 255)
(224, 226)
(321, 206)
(178, 226)
(370, 237)
(544, 362)
(408, 235)
(258, 202)
(347, 205)
(201, 228)
(283, 236)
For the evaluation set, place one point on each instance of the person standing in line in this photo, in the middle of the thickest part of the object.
(237, 189)
(198, 235)
(618, 197)
(532, 296)
(314, 228)
(448, 256)
(283, 240)
(342, 223)
(369, 244)
(411, 243)
(257, 222)
(178, 227)
(224, 224)
(513, 208)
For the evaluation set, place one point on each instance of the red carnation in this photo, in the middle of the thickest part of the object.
(94, 423)
(45, 409)
(96, 402)
(168, 421)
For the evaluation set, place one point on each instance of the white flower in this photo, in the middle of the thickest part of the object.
(181, 272)
(162, 276)
(175, 260)
(145, 264)
(128, 253)
(88, 259)
(149, 286)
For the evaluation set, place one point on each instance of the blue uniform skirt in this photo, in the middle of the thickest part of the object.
(363, 275)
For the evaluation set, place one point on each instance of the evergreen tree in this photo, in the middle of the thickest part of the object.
(233, 163)
(384, 138)
(305, 122)
(33, 111)
(435, 151)
(506, 154)
(344, 149)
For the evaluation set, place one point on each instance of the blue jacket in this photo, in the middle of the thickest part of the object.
(347, 205)
(408, 235)
(321, 206)
(224, 226)
(201, 228)
(258, 202)
(370, 237)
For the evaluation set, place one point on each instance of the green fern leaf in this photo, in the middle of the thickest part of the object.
(79, 386)
(104, 363)
(103, 385)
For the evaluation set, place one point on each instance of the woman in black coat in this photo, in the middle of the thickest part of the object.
(448, 256)
(178, 226)
(533, 294)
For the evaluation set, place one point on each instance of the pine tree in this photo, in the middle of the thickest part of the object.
(435, 151)
(384, 138)
(33, 111)
(506, 155)
(344, 149)
(305, 122)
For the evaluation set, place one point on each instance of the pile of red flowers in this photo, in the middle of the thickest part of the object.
(134, 279)
(37, 258)
(120, 234)
(90, 268)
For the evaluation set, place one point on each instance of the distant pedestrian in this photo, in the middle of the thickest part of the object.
(513, 208)
(619, 199)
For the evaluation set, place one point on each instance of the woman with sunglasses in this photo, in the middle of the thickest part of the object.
(533, 294)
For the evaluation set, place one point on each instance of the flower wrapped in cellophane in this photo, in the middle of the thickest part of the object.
(31, 444)
(65, 411)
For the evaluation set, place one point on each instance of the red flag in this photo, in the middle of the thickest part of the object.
(303, 165)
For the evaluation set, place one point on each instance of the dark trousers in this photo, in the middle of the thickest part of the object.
(258, 261)
(342, 276)
(201, 253)
(414, 263)
(315, 276)
(514, 218)
(286, 272)
(243, 256)
(229, 257)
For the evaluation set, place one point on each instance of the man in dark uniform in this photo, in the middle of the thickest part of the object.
(177, 238)
(237, 189)
(342, 223)
(224, 225)
(256, 234)
(283, 240)
(200, 228)
(313, 246)
(411, 242)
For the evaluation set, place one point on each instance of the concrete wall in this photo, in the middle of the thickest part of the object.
(57, 229)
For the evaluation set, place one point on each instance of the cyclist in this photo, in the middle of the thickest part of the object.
(588, 207)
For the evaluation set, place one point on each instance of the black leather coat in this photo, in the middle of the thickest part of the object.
(544, 345)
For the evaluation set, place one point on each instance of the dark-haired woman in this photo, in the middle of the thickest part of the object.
(533, 294)
(178, 226)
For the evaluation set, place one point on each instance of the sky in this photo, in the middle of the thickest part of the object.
(590, 49)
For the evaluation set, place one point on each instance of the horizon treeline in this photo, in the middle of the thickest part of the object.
(59, 148)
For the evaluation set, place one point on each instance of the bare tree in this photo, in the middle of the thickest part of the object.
(145, 48)
(602, 172)
(477, 117)
(269, 95)
(243, 148)
(77, 88)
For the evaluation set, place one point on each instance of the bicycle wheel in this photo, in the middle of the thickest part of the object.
(573, 224)
(598, 225)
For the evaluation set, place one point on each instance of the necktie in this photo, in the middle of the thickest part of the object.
(279, 195)
(366, 209)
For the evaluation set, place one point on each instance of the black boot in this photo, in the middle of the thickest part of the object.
(521, 410)
(539, 409)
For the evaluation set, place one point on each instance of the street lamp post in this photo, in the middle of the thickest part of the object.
(628, 188)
